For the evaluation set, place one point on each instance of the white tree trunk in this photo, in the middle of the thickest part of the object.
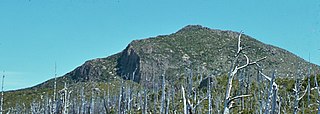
(1, 107)
(163, 96)
(184, 101)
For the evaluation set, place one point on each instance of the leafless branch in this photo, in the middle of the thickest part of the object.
(304, 93)
(200, 102)
(238, 97)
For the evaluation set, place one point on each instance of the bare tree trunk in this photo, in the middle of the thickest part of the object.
(65, 98)
(280, 103)
(155, 91)
(1, 107)
(318, 92)
(309, 89)
(209, 96)
(274, 92)
(163, 96)
(190, 83)
(296, 95)
(129, 102)
(270, 92)
(168, 103)
(184, 101)
(92, 101)
(82, 110)
(218, 100)
(129, 99)
(145, 104)
(172, 99)
(54, 89)
(259, 91)
(120, 98)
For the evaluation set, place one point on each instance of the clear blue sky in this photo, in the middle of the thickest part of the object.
(34, 34)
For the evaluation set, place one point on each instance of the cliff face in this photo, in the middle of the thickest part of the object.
(129, 64)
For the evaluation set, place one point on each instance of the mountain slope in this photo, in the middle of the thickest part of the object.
(203, 47)
(193, 47)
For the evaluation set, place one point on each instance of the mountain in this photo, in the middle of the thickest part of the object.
(203, 47)
(194, 47)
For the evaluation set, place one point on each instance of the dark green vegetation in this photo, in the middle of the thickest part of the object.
(186, 58)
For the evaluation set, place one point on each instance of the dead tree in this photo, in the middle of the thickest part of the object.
(82, 106)
(217, 104)
(172, 99)
(65, 96)
(163, 96)
(272, 94)
(209, 96)
(94, 91)
(318, 92)
(233, 71)
(54, 89)
(191, 104)
(184, 101)
(1, 107)
(92, 101)
(260, 96)
(35, 108)
(297, 97)
(272, 97)
(155, 92)
(130, 91)
(121, 98)
(309, 86)
(168, 103)
(280, 103)
(145, 103)
(106, 101)
(46, 104)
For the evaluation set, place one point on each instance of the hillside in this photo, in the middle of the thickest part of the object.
(203, 50)
(203, 47)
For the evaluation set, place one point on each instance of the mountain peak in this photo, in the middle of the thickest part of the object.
(198, 28)
(193, 28)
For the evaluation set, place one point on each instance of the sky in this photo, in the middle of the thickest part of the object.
(36, 34)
